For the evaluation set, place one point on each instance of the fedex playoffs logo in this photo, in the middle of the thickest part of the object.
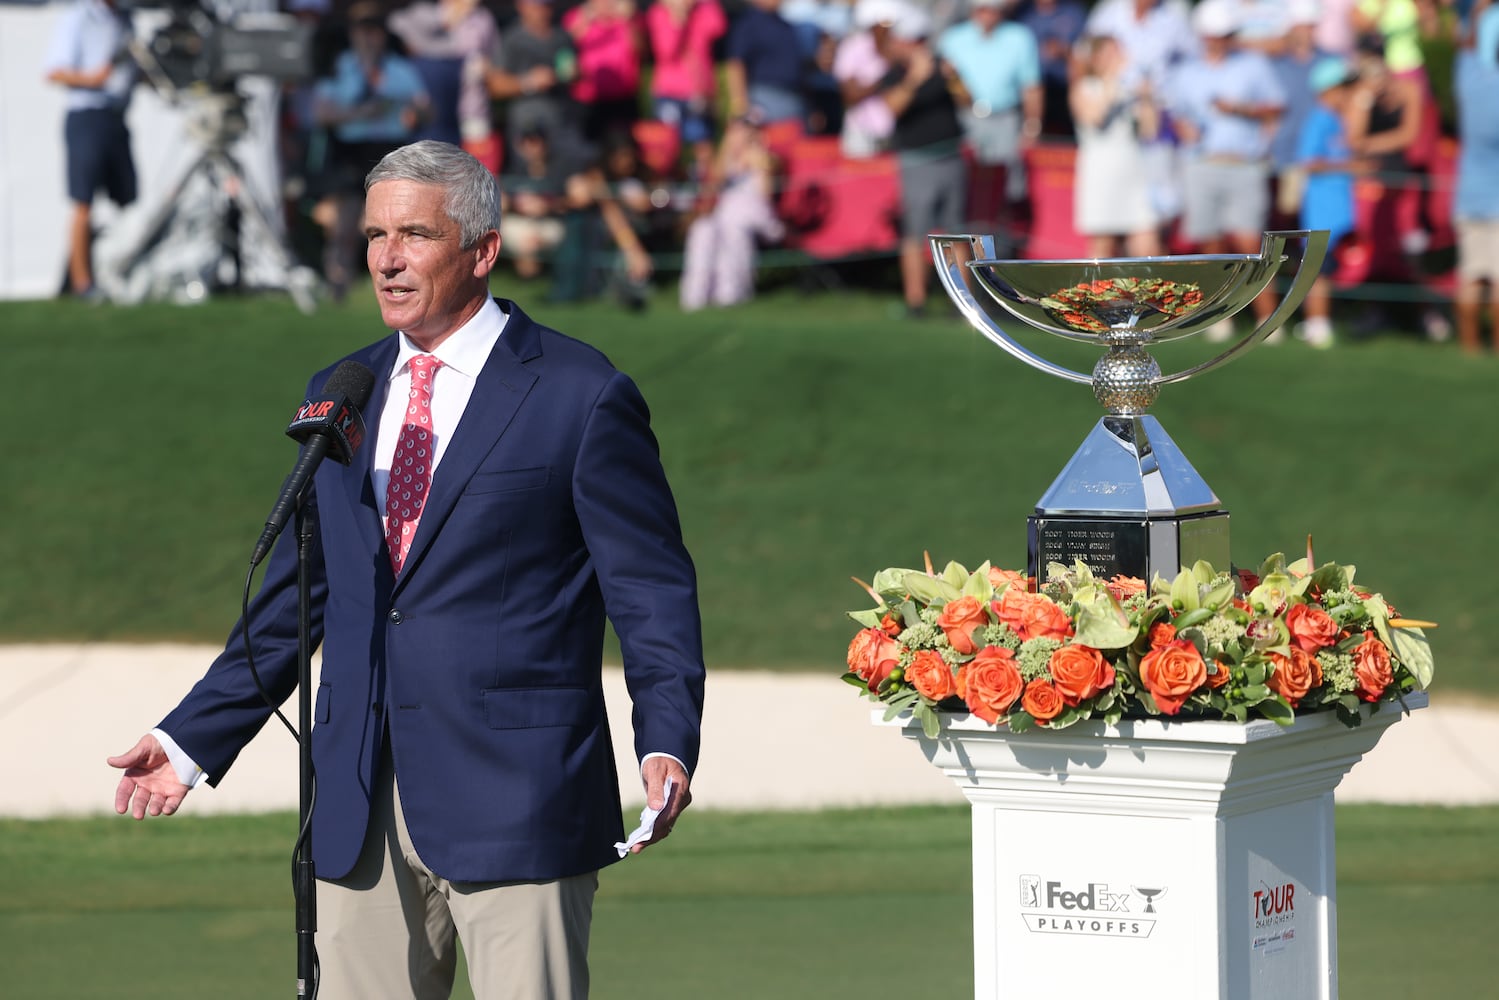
(1093, 908)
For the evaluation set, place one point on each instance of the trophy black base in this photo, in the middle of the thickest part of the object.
(1127, 545)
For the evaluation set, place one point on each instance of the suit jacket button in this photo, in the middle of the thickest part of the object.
(396, 617)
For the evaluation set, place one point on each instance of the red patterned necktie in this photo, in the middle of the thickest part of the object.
(411, 469)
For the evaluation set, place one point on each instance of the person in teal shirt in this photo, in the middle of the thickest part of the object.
(999, 63)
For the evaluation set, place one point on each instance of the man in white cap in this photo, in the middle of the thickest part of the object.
(1225, 105)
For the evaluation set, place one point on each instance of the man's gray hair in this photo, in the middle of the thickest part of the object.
(471, 194)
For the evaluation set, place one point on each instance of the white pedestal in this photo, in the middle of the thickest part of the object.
(1168, 860)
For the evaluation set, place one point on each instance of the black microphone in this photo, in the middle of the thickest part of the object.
(327, 422)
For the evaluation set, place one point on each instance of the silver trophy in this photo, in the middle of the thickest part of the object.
(1128, 502)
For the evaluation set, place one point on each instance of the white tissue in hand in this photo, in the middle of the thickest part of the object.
(647, 825)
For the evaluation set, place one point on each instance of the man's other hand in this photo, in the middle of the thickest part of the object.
(150, 783)
(655, 772)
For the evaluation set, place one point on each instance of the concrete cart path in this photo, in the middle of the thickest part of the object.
(770, 741)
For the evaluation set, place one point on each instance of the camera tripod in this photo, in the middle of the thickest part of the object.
(193, 246)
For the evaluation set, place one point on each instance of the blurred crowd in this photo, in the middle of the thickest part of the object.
(629, 136)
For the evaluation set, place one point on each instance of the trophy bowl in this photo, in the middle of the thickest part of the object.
(1126, 299)
(1128, 502)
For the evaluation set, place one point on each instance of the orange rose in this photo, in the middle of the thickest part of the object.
(930, 675)
(1044, 619)
(1079, 673)
(1295, 675)
(990, 683)
(1125, 586)
(1311, 628)
(958, 621)
(1042, 702)
(1172, 673)
(872, 655)
(892, 625)
(1371, 668)
(1219, 676)
(1161, 633)
(1010, 607)
(1001, 578)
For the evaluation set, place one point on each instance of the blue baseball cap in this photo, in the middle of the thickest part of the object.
(1327, 73)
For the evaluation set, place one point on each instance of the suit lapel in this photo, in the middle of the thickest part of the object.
(499, 390)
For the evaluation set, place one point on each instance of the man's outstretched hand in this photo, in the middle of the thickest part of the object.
(150, 783)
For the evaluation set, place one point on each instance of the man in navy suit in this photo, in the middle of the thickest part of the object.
(466, 783)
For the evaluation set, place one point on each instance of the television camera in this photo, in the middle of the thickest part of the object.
(196, 54)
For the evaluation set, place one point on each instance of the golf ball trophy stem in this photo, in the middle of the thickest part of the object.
(1128, 502)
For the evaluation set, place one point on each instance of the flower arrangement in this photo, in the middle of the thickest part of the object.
(1078, 304)
(1206, 645)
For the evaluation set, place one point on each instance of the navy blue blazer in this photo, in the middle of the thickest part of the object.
(482, 659)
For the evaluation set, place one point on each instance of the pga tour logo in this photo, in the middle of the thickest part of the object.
(1092, 909)
(1273, 909)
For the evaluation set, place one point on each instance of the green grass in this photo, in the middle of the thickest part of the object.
(808, 437)
(845, 904)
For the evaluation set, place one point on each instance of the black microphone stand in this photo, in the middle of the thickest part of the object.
(304, 875)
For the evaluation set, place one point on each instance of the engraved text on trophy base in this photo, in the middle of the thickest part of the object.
(1128, 546)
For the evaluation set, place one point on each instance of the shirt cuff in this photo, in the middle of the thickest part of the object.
(188, 771)
(655, 753)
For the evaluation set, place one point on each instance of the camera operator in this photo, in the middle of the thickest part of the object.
(88, 58)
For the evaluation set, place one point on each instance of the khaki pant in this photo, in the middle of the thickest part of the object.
(387, 931)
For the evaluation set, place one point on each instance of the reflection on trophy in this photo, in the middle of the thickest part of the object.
(1128, 502)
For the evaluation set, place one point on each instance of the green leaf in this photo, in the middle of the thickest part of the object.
(1194, 617)
(1203, 572)
(1276, 710)
(891, 583)
(1101, 623)
(869, 619)
(905, 699)
(931, 725)
(1253, 694)
(1220, 596)
(1379, 617)
(1414, 652)
(1184, 592)
(956, 574)
(930, 590)
(1021, 721)
(855, 680)
(1254, 674)
(978, 587)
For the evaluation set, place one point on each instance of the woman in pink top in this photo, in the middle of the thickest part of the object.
(685, 85)
(606, 34)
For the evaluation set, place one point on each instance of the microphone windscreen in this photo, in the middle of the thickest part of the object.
(353, 381)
